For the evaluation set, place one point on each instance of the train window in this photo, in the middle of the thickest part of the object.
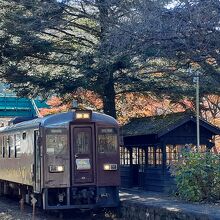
(56, 144)
(17, 145)
(5, 149)
(11, 146)
(24, 135)
(107, 140)
(82, 142)
(1, 146)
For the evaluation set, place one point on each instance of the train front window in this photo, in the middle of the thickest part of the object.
(82, 142)
(107, 140)
(56, 142)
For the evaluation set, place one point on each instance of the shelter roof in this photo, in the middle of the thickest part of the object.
(162, 124)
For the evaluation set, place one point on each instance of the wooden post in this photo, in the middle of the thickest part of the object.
(164, 157)
(131, 167)
(22, 203)
(22, 200)
(33, 202)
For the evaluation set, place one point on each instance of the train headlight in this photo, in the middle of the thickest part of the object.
(110, 167)
(83, 114)
(56, 168)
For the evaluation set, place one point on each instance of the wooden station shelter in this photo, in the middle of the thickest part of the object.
(152, 144)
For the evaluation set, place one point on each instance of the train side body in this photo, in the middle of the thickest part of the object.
(17, 169)
(66, 162)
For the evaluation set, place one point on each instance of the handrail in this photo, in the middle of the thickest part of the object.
(36, 108)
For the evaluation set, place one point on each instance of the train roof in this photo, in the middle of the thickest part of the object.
(61, 119)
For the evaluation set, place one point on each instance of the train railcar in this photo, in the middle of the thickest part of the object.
(64, 161)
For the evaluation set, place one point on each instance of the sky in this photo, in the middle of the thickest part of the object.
(173, 4)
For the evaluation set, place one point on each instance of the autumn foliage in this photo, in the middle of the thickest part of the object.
(85, 99)
(56, 106)
(130, 105)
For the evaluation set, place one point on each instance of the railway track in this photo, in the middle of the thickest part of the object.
(10, 210)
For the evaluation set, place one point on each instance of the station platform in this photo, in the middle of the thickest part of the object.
(140, 205)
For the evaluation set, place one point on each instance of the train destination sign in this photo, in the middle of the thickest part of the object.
(83, 164)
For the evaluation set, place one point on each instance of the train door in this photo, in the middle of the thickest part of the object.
(37, 163)
(82, 143)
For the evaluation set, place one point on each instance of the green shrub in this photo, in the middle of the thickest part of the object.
(197, 176)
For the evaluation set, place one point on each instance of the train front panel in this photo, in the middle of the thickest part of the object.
(81, 165)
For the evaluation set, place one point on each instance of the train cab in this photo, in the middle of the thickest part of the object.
(74, 161)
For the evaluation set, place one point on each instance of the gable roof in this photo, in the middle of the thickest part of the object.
(12, 106)
(162, 124)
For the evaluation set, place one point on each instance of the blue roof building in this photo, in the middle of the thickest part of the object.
(12, 106)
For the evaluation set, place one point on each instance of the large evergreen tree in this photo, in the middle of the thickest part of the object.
(50, 46)
(108, 46)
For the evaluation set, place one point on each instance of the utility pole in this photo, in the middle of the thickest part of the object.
(196, 80)
(197, 110)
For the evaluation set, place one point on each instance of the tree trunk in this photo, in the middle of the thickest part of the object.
(105, 75)
(109, 99)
